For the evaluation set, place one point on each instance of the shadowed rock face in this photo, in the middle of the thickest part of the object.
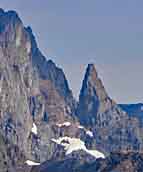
(116, 162)
(135, 110)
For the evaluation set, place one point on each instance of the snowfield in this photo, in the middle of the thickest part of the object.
(74, 144)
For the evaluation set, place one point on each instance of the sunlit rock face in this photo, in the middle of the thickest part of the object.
(32, 91)
(16, 79)
(36, 105)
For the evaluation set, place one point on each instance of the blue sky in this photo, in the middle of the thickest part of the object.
(74, 33)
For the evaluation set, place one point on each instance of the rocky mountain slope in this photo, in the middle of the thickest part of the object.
(117, 162)
(113, 128)
(39, 117)
(135, 110)
(27, 96)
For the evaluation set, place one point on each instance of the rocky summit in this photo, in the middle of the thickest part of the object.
(42, 126)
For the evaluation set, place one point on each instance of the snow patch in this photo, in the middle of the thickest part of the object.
(65, 124)
(70, 144)
(80, 127)
(95, 153)
(31, 163)
(34, 129)
(89, 133)
(74, 144)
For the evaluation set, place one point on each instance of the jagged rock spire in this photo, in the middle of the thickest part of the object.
(93, 98)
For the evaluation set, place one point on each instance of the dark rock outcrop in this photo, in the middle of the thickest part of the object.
(116, 162)
(135, 110)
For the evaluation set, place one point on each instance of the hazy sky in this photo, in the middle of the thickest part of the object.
(74, 33)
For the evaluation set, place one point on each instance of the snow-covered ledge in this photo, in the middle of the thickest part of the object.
(32, 163)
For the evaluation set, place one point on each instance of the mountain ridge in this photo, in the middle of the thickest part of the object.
(35, 92)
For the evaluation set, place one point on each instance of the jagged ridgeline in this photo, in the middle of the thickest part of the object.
(39, 118)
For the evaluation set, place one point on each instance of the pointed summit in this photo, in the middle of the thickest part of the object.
(91, 70)
(90, 75)
(92, 85)
(93, 98)
(1, 11)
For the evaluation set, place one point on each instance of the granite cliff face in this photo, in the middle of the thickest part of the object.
(35, 92)
(93, 98)
(27, 96)
(16, 82)
(113, 128)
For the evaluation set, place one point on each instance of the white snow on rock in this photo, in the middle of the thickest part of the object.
(74, 144)
(80, 127)
(70, 144)
(34, 129)
(89, 133)
(95, 153)
(32, 163)
(65, 124)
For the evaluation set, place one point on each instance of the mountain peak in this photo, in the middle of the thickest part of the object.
(91, 66)
(91, 80)
(93, 98)
(1, 11)
(12, 13)
(91, 71)
(8, 16)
